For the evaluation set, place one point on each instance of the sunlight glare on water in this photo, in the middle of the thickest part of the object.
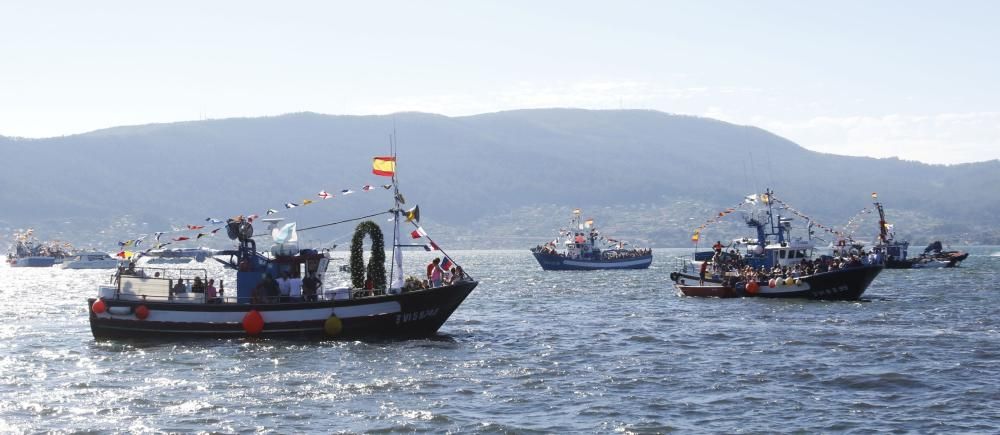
(531, 350)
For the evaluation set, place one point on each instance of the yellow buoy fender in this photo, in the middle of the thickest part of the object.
(333, 326)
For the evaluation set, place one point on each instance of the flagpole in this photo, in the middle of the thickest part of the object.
(395, 218)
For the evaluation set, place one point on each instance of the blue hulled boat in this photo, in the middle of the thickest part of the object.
(584, 248)
(27, 252)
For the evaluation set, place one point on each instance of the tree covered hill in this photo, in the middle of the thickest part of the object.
(504, 179)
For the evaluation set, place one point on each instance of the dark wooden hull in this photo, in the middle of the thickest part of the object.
(408, 315)
(842, 284)
(707, 291)
(947, 259)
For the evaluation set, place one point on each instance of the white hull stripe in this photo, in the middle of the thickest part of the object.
(606, 265)
(160, 315)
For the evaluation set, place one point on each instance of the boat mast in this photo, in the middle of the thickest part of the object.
(883, 233)
(395, 210)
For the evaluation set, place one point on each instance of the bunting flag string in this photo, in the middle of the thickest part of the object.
(419, 232)
(856, 219)
(828, 229)
(696, 235)
(765, 198)
(203, 232)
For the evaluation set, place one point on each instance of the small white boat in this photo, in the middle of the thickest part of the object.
(90, 260)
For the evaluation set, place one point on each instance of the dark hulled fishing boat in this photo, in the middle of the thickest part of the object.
(781, 267)
(842, 284)
(157, 303)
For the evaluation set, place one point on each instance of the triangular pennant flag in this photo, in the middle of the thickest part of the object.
(324, 194)
(447, 263)
(181, 239)
(216, 230)
(200, 235)
(387, 186)
(291, 205)
(367, 187)
(307, 201)
(415, 234)
(271, 211)
(346, 192)
(413, 214)
(195, 227)
(157, 235)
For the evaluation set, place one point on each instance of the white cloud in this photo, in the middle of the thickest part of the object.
(937, 138)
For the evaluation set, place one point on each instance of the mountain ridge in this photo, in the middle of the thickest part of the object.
(528, 165)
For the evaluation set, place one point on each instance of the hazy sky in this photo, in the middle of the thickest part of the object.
(918, 80)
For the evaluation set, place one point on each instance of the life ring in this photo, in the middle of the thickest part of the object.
(673, 276)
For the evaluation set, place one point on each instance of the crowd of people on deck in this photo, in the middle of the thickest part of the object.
(585, 246)
(733, 267)
(617, 254)
(286, 288)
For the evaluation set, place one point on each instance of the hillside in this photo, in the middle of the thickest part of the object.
(503, 179)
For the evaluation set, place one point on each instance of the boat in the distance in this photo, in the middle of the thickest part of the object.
(585, 248)
(774, 265)
(27, 251)
(896, 251)
(90, 260)
(157, 303)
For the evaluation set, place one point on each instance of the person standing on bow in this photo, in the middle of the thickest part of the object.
(434, 273)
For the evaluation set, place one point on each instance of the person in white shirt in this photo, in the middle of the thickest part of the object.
(295, 289)
(285, 286)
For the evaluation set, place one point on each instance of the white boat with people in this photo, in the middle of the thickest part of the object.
(283, 291)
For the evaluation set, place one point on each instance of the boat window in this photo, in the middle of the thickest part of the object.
(801, 253)
(781, 254)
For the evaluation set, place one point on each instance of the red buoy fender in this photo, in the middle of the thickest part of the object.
(752, 288)
(141, 312)
(253, 322)
(99, 306)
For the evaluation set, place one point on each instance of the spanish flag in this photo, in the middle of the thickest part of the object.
(385, 166)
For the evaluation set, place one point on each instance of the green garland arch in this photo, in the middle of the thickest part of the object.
(376, 264)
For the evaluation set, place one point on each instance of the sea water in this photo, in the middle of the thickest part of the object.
(533, 351)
